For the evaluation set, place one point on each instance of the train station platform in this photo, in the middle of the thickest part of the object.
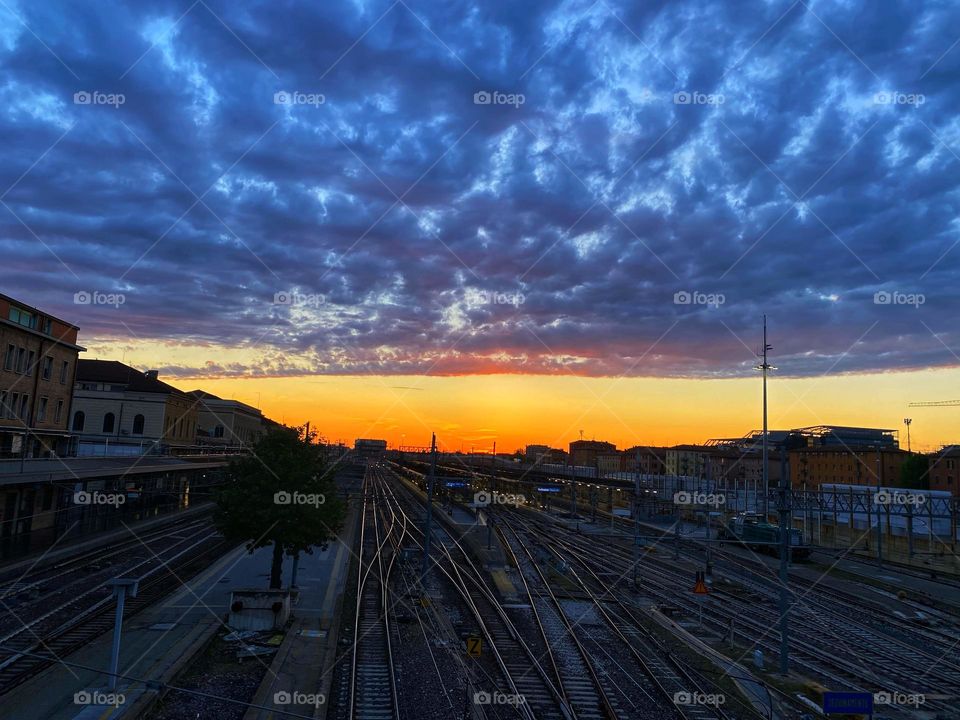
(159, 642)
(301, 673)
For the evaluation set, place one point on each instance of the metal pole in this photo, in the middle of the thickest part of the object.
(115, 651)
(879, 517)
(426, 539)
(293, 570)
(120, 587)
(636, 522)
(785, 523)
(766, 470)
(764, 367)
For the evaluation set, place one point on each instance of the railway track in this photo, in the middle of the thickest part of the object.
(72, 625)
(373, 688)
(667, 677)
(521, 674)
(592, 692)
(912, 657)
(874, 665)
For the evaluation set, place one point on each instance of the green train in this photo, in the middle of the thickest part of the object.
(754, 532)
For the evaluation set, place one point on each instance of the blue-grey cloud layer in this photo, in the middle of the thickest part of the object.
(788, 158)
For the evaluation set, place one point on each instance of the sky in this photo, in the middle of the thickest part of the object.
(500, 221)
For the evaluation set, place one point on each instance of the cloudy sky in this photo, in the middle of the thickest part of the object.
(283, 189)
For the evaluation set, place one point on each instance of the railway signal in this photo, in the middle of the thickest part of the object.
(700, 588)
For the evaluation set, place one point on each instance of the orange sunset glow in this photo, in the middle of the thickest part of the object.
(515, 410)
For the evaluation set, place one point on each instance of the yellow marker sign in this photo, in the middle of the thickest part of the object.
(700, 586)
(474, 646)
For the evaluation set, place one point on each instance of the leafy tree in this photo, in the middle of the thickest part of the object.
(283, 495)
(914, 472)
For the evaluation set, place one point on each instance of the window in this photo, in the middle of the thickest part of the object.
(108, 420)
(45, 325)
(14, 403)
(3, 403)
(59, 413)
(42, 410)
(78, 420)
(30, 363)
(21, 359)
(11, 362)
(63, 372)
(138, 425)
(22, 317)
(47, 367)
(25, 408)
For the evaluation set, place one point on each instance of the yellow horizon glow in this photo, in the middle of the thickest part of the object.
(473, 411)
(518, 409)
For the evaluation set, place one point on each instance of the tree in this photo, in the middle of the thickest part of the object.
(283, 495)
(914, 472)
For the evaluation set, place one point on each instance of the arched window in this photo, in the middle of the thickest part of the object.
(78, 418)
(138, 425)
(108, 422)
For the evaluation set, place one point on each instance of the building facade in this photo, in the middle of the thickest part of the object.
(228, 423)
(119, 410)
(944, 470)
(812, 467)
(687, 461)
(36, 381)
(585, 452)
(648, 460)
(369, 449)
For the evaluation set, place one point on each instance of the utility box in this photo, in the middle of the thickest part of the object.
(257, 609)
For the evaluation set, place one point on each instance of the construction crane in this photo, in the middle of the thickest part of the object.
(936, 403)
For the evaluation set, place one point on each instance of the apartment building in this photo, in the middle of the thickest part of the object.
(40, 355)
(812, 467)
(944, 469)
(585, 452)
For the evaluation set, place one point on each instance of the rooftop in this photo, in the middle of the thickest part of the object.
(116, 373)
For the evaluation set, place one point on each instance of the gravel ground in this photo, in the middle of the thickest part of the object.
(218, 672)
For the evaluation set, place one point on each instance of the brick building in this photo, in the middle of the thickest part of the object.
(812, 467)
(649, 460)
(585, 452)
(944, 469)
(36, 382)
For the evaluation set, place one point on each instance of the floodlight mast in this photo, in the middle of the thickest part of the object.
(764, 367)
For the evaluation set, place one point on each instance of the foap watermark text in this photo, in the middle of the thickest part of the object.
(484, 498)
(895, 297)
(298, 498)
(95, 497)
(495, 97)
(699, 498)
(695, 297)
(295, 298)
(95, 297)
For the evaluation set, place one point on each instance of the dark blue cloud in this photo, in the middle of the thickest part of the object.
(791, 158)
